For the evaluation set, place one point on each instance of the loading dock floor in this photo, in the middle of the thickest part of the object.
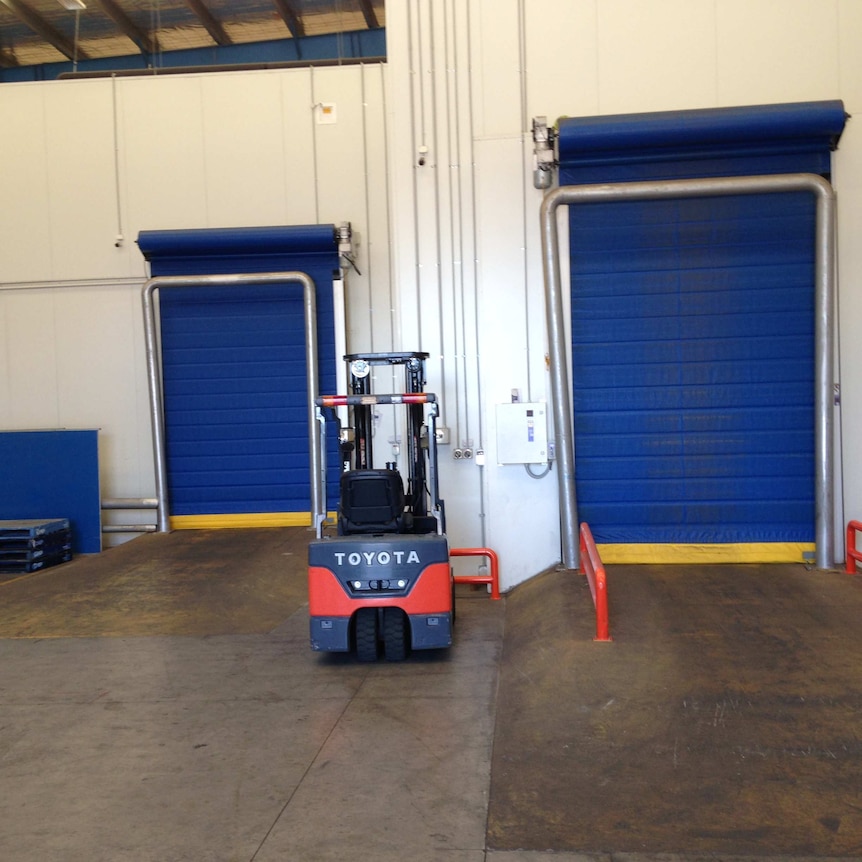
(160, 702)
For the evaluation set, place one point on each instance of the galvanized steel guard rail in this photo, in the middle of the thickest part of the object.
(154, 371)
(824, 241)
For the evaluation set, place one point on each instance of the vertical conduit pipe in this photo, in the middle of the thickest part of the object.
(823, 323)
(154, 374)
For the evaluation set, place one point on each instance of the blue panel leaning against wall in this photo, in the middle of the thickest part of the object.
(53, 474)
(693, 327)
(234, 370)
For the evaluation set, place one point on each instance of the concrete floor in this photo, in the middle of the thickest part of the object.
(244, 745)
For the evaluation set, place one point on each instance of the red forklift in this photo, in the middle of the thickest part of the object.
(381, 580)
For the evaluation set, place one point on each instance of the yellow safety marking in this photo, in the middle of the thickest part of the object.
(742, 552)
(234, 521)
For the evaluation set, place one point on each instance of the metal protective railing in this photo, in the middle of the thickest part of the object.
(852, 554)
(824, 287)
(493, 579)
(591, 566)
(129, 504)
(154, 369)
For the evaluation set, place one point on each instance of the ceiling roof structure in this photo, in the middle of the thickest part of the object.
(34, 32)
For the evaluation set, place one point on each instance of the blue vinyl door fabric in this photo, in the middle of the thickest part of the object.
(234, 369)
(693, 328)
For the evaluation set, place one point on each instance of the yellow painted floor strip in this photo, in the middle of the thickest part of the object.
(230, 522)
(747, 552)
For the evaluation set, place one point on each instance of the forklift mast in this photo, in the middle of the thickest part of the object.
(360, 366)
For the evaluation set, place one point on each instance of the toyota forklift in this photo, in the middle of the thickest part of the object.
(383, 581)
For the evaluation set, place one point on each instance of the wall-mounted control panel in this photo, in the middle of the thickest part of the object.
(522, 433)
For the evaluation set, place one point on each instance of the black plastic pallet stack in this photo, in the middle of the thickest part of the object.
(27, 546)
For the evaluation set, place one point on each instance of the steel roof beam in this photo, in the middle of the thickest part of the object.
(290, 16)
(370, 15)
(212, 25)
(44, 29)
(141, 38)
(7, 60)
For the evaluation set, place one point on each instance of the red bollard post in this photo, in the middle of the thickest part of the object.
(591, 566)
(852, 554)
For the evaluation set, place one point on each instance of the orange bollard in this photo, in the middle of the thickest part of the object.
(591, 566)
(852, 554)
(493, 579)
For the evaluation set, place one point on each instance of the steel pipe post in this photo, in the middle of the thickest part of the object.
(154, 372)
(824, 326)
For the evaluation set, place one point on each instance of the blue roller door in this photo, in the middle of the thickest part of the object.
(234, 369)
(693, 327)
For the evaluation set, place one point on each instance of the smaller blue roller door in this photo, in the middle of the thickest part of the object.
(234, 370)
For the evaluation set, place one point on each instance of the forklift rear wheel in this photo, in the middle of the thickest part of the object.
(366, 634)
(396, 632)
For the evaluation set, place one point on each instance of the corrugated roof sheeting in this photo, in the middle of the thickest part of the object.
(25, 25)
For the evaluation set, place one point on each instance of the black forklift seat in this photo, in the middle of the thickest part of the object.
(372, 501)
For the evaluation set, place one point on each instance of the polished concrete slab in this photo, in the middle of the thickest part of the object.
(191, 582)
(241, 746)
(685, 739)
(723, 719)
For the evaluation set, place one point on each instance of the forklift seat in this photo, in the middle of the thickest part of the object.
(372, 501)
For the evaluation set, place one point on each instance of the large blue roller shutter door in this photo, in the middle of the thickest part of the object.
(234, 371)
(693, 328)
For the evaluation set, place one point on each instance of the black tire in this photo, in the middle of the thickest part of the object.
(367, 634)
(396, 634)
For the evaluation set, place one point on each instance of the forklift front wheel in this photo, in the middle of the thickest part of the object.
(396, 634)
(367, 635)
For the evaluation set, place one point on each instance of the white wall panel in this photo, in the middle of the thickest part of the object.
(562, 59)
(495, 26)
(847, 177)
(25, 225)
(96, 339)
(370, 314)
(82, 181)
(501, 253)
(776, 51)
(522, 514)
(162, 156)
(30, 344)
(656, 56)
(849, 28)
(373, 325)
(339, 146)
(297, 137)
(243, 152)
(401, 159)
(341, 164)
(849, 327)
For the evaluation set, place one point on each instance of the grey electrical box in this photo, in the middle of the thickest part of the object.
(522, 433)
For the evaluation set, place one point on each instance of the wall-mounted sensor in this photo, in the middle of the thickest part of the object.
(423, 155)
